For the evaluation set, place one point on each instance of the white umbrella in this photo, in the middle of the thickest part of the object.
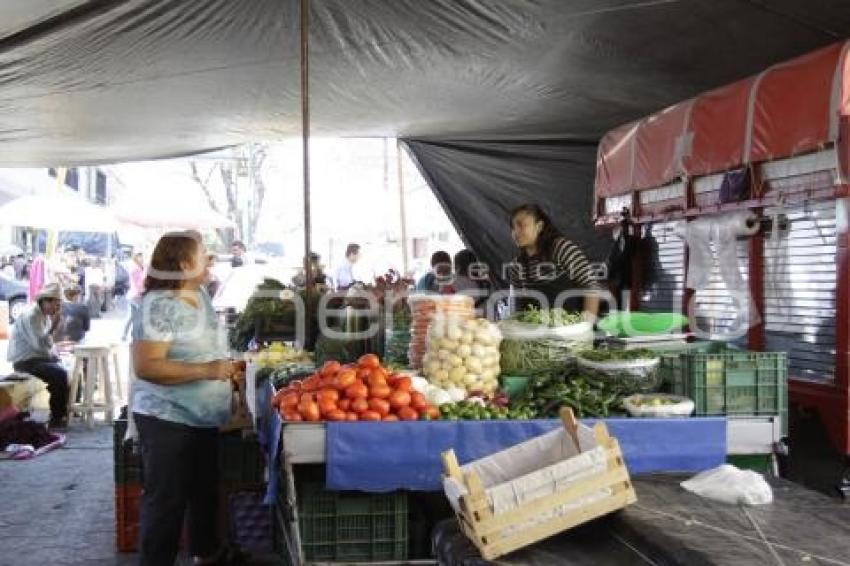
(57, 211)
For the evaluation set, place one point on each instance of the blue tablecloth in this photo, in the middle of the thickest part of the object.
(380, 457)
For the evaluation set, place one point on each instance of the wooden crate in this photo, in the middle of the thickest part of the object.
(590, 491)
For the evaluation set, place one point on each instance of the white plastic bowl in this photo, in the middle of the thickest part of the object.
(683, 408)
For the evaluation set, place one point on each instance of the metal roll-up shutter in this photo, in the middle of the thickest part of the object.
(664, 266)
(800, 281)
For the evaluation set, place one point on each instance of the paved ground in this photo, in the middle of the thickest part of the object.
(59, 508)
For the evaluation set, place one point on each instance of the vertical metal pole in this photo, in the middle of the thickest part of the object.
(402, 214)
(305, 144)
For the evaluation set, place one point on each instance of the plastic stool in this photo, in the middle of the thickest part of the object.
(113, 352)
(91, 370)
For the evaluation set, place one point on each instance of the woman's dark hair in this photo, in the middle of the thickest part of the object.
(352, 249)
(463, 261)
(172, 250)
(547, 237)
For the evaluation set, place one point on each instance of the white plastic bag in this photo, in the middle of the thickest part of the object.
(729, 484)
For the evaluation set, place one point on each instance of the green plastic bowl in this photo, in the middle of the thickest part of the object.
(514, 385)
(626, 324)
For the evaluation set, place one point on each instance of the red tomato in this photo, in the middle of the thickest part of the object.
(379, 373)
(306, 398)
(292, 416)
(326, 406)
(295, 385)
(404, 383)
(344, 404)
(336, 415)
(380, 391)
(376, 380)
(392, 418)
(418, 401)
(330, 368)
(351, 416)
(328, 395)
(277, 400)
(399, 399)
(407, 414)
(345, 379)
(310, 411)
(356, 391)
(369, 361)
(290, 401)
(380, 406)
(312, 383)
(369, 416)
(432, 413)
(360, 405)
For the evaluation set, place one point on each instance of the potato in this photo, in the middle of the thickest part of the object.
(457, 374)
(474, 365)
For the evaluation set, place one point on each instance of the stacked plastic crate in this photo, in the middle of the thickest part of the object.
(243, 519)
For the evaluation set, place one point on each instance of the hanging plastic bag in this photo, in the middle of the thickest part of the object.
(729, 484)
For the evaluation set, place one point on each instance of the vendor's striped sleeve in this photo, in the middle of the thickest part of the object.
(570, 259)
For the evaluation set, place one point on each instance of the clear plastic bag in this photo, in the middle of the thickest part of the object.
(729, 484)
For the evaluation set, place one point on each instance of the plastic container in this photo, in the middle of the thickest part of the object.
(241, 460)
(514, 385)
(351, 526)
(642, 323)
(127, 498)
(683, 406)
(126, 460)
(250, 521)
(736, 383)
(629, 376)
(529, 349)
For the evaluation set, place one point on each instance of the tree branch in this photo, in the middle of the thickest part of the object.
(193, 167)
(258, 157)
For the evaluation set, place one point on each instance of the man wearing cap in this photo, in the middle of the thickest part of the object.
(31, 349)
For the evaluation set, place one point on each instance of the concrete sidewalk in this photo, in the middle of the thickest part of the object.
(59, 508)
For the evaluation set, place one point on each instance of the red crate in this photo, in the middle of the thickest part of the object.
(127, 499)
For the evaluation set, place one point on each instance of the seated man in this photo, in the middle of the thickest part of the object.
(75, 319)
(31, 350)
(440, 273)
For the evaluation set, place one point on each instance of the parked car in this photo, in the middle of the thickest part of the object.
(15, 292)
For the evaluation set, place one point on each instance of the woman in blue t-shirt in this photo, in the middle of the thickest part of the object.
(182, 396)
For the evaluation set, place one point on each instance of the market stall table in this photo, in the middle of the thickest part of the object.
(357, 456)
(669, 525)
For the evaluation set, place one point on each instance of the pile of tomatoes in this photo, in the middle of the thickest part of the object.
(364, 391)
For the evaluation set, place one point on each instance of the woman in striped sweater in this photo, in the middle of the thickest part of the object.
(549, 264)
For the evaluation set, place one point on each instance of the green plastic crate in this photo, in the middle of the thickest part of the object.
(736, 383)
(761, 463)
(352, 526)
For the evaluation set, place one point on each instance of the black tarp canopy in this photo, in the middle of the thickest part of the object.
(499, 101)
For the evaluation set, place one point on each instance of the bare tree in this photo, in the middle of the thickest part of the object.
(253, 156)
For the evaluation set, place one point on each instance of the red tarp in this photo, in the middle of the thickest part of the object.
(789, 109)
